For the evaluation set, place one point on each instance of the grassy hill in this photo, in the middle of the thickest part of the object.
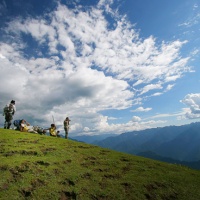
(42, 167)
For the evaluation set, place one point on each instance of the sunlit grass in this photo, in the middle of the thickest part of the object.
(41, 167)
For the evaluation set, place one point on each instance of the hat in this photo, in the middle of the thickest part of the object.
(67, 118)
(13, 101)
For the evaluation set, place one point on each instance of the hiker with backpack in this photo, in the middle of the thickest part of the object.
(9, 111)
(66, 126)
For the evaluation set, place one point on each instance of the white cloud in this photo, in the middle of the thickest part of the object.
(141, 109)
(112, 118)
(195, 6)
(156, 94)
(169, 87)
(193, 18)
(167, 115)
(150, 87)
(136, 119)
(193, 102)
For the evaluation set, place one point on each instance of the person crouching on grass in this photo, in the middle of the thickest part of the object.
(52, 131)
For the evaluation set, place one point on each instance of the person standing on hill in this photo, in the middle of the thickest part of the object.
(66, 126)
(9, 111)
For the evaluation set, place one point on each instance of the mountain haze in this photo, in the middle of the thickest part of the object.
(176, 142)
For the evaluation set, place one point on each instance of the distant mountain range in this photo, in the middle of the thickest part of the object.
(91, 139)
(173, 144)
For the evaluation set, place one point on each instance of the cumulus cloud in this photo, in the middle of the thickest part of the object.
(193, 102)
(141, 109)
(74, 64)
(136, 119)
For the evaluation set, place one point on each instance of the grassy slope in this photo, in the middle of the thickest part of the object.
(42, 167)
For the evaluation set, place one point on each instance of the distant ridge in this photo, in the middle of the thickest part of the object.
(151, 155)
(91, 139)
(180, 143)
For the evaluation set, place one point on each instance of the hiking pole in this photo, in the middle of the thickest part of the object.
(53, 119)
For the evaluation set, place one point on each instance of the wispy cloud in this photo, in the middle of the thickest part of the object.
(167, 115)
(150, 87)
(193, 19)
(141, 109)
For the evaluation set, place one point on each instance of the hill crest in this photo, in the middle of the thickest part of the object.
(43, 167)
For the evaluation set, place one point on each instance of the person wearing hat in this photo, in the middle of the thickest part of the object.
(66, 126)
(9, 111)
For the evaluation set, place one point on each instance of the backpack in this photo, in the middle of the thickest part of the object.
(9, 108)
(17, 122)
(39, 129)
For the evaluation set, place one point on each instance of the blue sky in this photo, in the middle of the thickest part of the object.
(111, 66)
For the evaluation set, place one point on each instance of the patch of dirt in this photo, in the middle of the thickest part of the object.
(111, 176)
(153, 187)
(28, 141)
(23, 141)
(67, 161)
(86, 176)
(90, 161)
(33, 153)
(15, 174)
(37, 183)
(68, 182)
(23, 152)
(99, 197)
(10, 153)
(34, 141)
(104, 152)
(90, 158)
(4, 186)
(68, 196)
(2, 150)
(27, 192)
(47, 150)
(101, 170)
(56, 171)
(83, 147)
(43, 163)
(16, 171)
(127, 186)
(126, 168)
(123, 159)
(3, 167)
(85, 165)
(23, 167)
(98, 170)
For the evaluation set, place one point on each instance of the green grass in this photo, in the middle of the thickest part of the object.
(41, 167)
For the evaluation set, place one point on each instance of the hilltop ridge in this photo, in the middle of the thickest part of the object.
(42, 167)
